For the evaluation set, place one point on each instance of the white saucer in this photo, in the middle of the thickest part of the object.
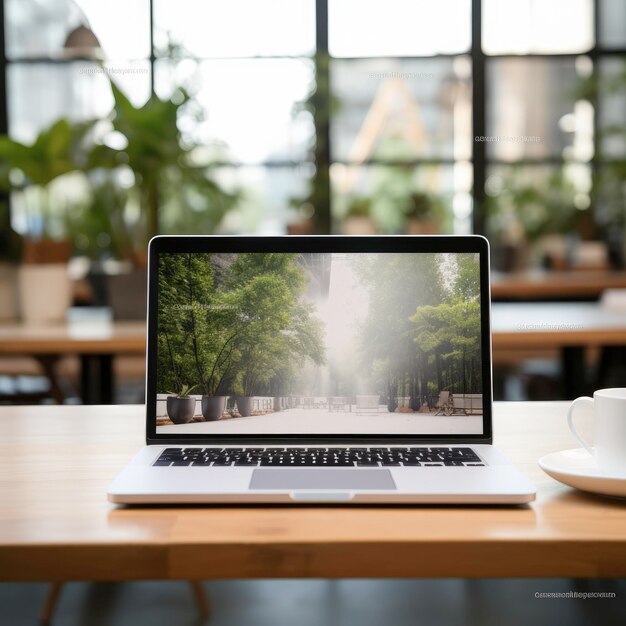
(577, 468)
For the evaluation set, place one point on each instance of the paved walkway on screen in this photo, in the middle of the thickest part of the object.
(308, 421)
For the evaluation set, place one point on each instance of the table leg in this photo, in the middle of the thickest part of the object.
(54, 591)
(611, 367)
(96, 378)
(48, 363)
(573, 371)
(50, 603)
(200, 597)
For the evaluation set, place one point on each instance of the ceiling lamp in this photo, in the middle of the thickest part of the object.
(82, 43)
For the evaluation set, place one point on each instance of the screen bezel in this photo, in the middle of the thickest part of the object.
(316, 243)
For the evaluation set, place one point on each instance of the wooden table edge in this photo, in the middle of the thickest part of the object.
(503, 340)
(492, 558)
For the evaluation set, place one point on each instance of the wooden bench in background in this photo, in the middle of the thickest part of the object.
(368, 404)
(467, 403)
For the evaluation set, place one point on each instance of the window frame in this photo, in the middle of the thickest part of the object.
(479, 160)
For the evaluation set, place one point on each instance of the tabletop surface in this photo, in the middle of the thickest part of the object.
(79, 338)
(56, 523)
(556, 324)
(548, 285)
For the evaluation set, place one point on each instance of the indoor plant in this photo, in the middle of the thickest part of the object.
(44, 284)
(38, 175)
(608, 192)
(170, 184)
(423, 214)
(358, 220)
(523, 209)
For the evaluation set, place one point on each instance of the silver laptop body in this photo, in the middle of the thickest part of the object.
(319, 369)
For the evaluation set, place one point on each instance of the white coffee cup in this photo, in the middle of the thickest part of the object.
(609, 432)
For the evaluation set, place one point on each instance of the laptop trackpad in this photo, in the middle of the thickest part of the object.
(321, 478)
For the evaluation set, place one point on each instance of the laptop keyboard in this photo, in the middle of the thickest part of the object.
(319, 457)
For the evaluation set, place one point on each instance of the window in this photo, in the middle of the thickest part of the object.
(44, 83)
(537, 26)
(396, 28)
(323, 110)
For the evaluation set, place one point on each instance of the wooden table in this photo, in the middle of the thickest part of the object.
(56, 524)
(95, 343)
(570, 327)
(555, 285)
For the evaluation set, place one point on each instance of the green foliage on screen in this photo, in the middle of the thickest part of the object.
(234, 323)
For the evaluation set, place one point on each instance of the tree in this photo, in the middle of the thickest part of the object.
(422, 330)
(467, 284)
(279, 328)
(169, 176)
(450, 334)
(197, 325)
(184, 280)
(395, 282)
(233, 322)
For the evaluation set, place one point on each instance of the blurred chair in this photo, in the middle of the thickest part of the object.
(30, 381)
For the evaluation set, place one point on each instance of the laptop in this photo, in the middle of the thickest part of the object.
(319, 369)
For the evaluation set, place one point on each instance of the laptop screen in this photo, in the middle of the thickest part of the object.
(318, 343)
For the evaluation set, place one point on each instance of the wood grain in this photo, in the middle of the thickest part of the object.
(62, 339)
(553, 285)
(555, 325)
(56, 524)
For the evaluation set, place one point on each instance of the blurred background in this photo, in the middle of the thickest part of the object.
(120, 120)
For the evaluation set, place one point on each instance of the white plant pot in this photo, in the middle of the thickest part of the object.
(425, 226)
(45, 293)
(359, 225)
(9, 306)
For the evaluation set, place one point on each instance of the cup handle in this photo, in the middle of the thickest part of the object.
(570, 421)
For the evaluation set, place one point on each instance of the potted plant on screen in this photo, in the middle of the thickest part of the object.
(245, 402)
(181, 406)
(213, 400)
(213, 348)
(214, 351)
(197, 329)
(253, 369)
